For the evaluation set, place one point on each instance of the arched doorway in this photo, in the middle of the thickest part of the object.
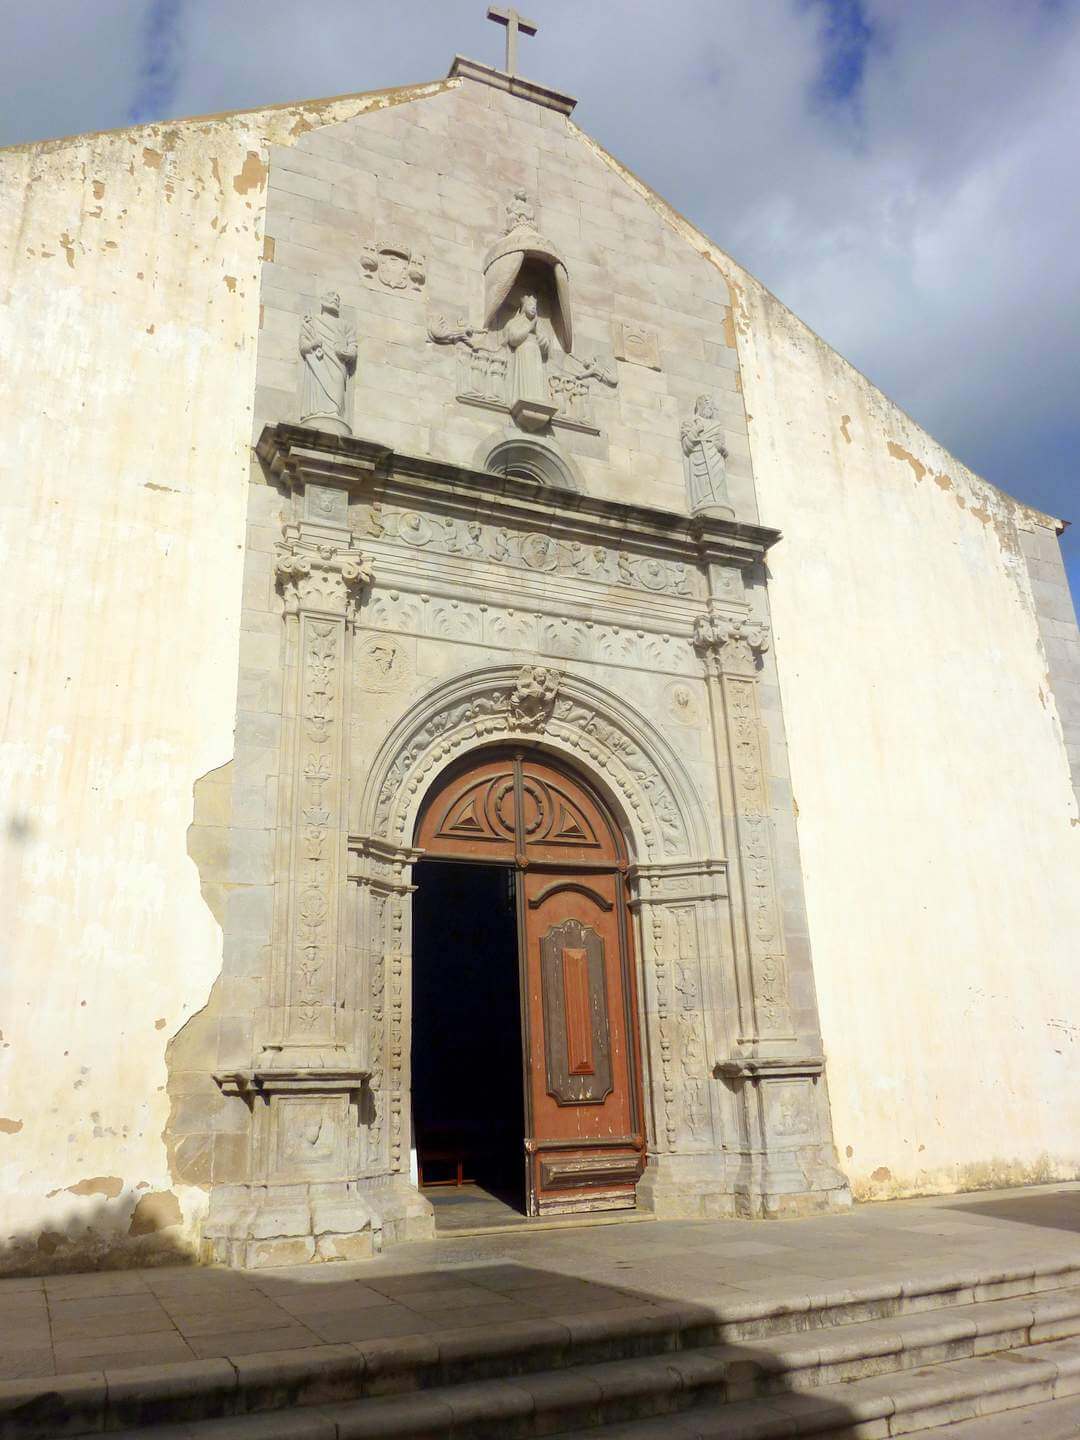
(521, 896)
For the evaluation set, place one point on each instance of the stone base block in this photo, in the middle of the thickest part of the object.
(251, 1226)
(399, 1213)
(686, 1187)
(710, 1187)
(800, 1180)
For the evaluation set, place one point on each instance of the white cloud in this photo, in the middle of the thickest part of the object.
(926, 226)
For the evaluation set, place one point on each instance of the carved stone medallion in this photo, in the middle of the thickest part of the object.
(383, 663)
(683, 704)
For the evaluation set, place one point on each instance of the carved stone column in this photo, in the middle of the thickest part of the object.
(306, 1083)
(786, 1160)
(730, 647)
(380, 898)
(681, 907)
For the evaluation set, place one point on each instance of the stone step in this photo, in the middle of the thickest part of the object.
(1052, 1420)
(591, 1399)
(759, 1350)
(1033, 1393)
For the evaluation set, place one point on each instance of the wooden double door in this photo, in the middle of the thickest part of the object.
(583, 1146)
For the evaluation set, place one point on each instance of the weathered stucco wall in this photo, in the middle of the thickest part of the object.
(929, 667)
(938, 824)
(128, 282)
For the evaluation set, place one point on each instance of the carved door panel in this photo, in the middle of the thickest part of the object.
(585, 1150)
(583, 1147)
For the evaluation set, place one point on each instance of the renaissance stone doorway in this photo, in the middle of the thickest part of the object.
(517, 822)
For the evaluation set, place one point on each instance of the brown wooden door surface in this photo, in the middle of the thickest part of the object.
(584, 1150)
(584, 1146)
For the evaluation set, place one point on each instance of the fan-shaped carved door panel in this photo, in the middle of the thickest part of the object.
(583, 1149)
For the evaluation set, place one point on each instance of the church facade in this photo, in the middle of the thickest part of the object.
(519, 683)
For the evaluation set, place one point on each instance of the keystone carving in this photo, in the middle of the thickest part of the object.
(533, 698)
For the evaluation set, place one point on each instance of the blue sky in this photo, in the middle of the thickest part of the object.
(901, 173)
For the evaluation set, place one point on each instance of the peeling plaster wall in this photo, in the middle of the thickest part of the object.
(938, 824)
(128, 315)
(930, 730)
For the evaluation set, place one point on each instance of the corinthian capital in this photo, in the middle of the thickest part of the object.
(324, 578)
(730, 643)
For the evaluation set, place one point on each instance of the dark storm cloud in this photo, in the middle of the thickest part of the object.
(902, 173)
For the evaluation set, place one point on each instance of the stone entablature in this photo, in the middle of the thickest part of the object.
(430, 508)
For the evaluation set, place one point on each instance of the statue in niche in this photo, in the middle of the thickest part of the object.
(529, 347)
(328, 349)
(706, 461)
(518, 269)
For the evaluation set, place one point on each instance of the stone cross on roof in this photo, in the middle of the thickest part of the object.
(513, 22)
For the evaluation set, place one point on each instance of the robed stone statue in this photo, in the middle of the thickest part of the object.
(529, 346)
(328, 348)
(706, 461)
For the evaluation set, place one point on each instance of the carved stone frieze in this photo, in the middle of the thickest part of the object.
(498, 627)
(535, 550)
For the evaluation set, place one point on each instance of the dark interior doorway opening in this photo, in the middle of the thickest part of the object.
(468, 1103)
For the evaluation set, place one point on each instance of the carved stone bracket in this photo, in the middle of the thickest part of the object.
(323, 578)
(730, 645)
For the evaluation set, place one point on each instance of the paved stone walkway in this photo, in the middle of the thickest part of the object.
(73, 1323)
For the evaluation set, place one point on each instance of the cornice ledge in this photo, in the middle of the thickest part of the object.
(461, 68)
(295, 454)
(769, 1067)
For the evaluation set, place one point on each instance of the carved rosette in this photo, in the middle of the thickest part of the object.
(731, 648)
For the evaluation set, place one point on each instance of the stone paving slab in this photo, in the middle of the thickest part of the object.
(575, 1278)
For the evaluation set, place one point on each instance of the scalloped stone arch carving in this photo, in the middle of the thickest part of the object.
(643, 776)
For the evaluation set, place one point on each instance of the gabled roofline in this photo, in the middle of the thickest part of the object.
(393, 95)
